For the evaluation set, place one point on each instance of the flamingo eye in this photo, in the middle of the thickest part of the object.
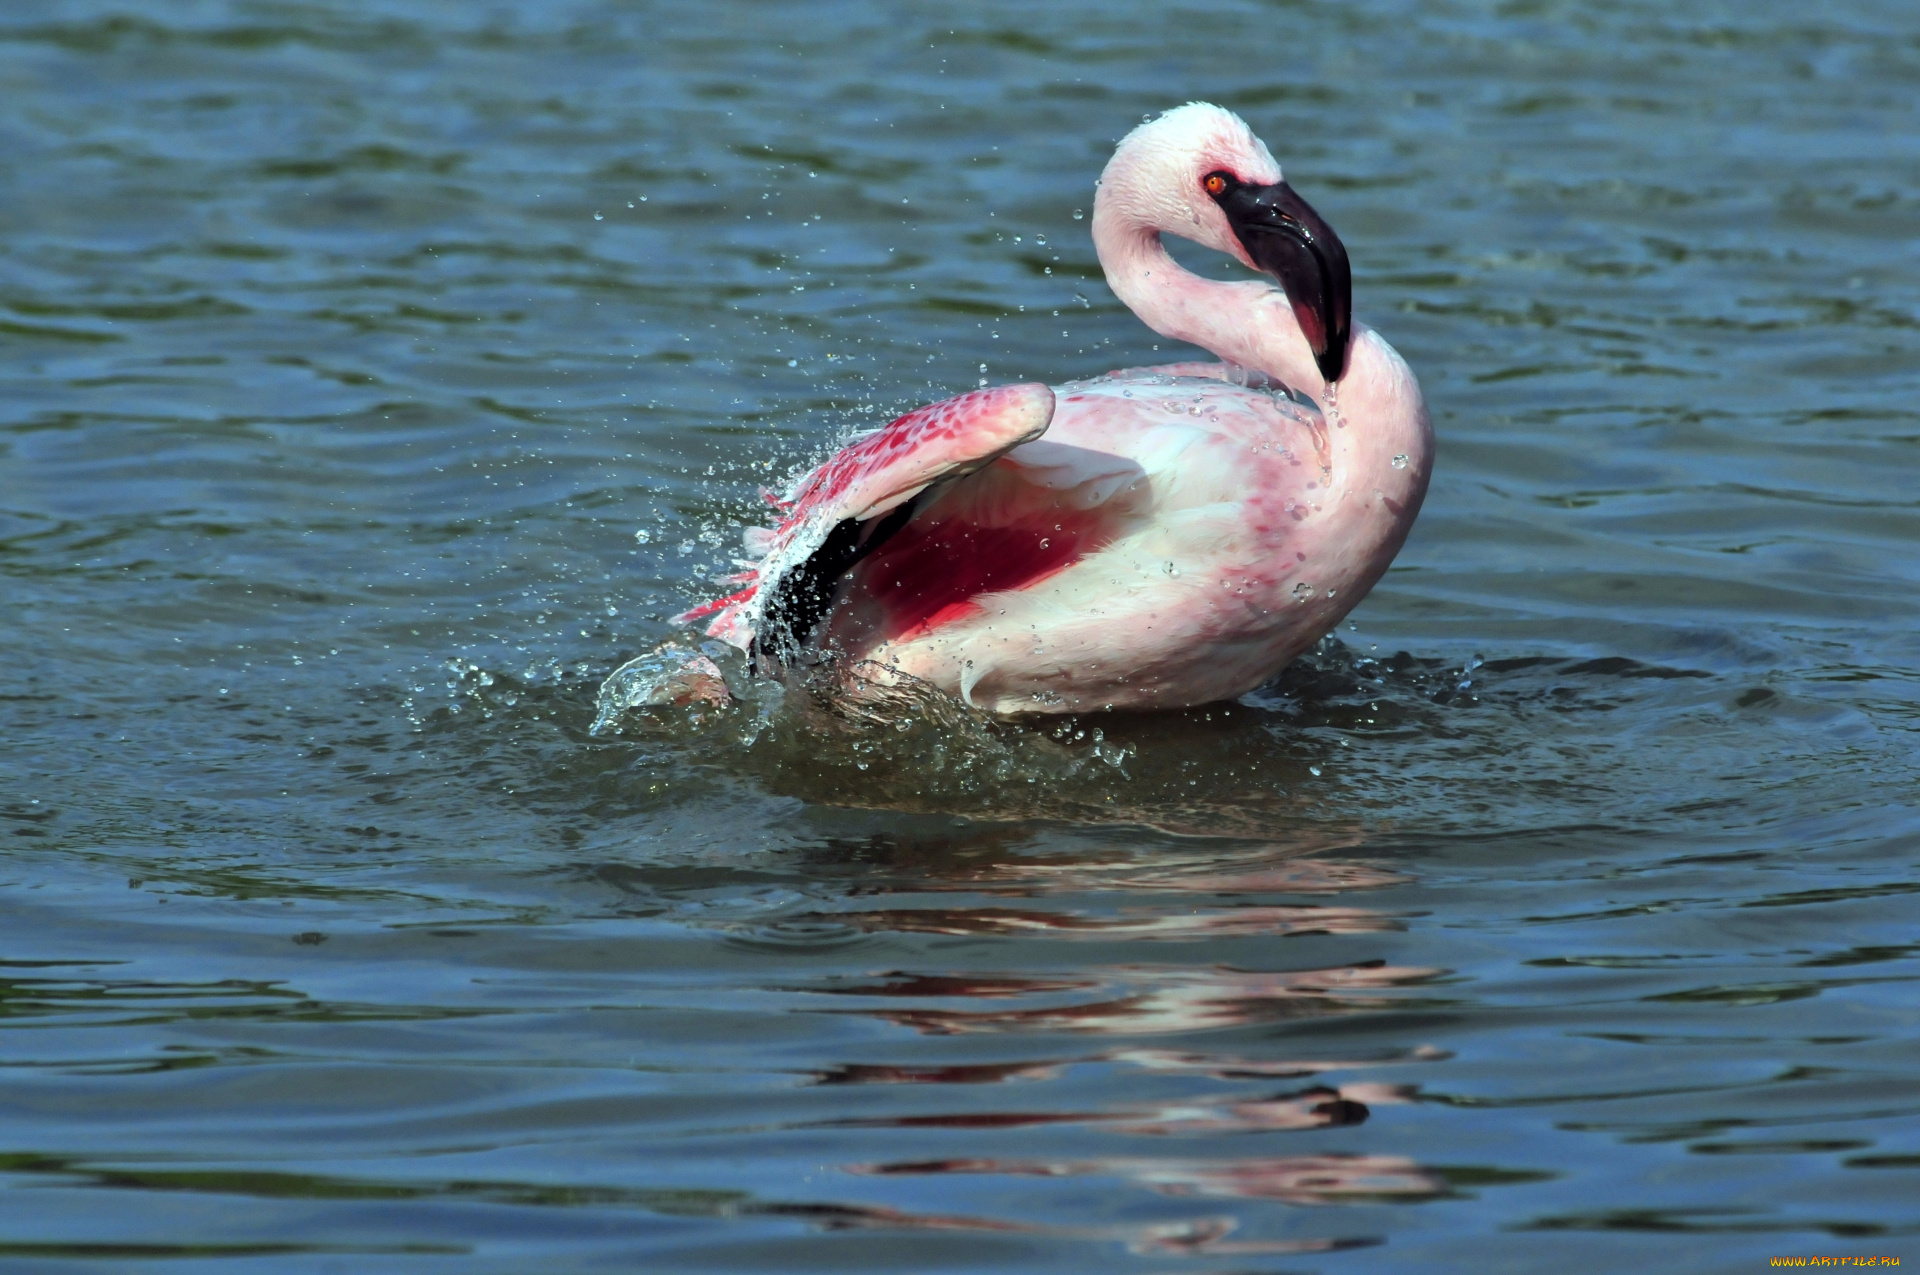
(1216, 183)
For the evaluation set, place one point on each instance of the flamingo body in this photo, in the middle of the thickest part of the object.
(1157, 537)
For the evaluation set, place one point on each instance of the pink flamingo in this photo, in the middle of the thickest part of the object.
(1152, 538)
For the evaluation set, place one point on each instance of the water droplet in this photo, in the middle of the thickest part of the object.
(1314, 771)
(643, 535)
(629, 203)
(1040, 240)
(599, 216)
(1077, 214)
(1400, 461)
(1302, 591)
(793, 362)
(1044, 543)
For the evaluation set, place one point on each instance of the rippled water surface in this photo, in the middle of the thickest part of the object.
(379, 375)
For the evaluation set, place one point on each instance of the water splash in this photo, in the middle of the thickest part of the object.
(668, 675)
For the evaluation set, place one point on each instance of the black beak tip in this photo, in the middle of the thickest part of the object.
(1285, 237)
(1332, 362)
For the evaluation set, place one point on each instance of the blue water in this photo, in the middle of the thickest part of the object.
(1561, 914)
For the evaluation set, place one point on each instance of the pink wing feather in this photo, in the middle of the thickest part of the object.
(868, 478)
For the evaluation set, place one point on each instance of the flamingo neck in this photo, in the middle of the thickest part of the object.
(1381, 433)
(1248, 323)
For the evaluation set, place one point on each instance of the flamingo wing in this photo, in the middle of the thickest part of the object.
(1027, 517)
(838, 513)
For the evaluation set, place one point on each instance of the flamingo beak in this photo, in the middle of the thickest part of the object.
(1285, 237)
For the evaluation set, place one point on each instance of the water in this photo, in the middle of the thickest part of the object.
(1561, 915)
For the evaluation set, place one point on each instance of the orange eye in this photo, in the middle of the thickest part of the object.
(1215, 183)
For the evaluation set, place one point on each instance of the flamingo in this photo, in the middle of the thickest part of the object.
(1152, 538)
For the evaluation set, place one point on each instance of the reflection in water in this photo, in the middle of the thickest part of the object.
(1218, 1066)
(1045, 892)
(1102, 895)
(1319, 1107)
(1302, 1179)
(995, 861)
(1173, 999)
(1205, 1237)
(1131, 923)
(1296, 1180)
(958, 1074)
(1230, 874)
(1230, 1067)
(943, 985)
(1295, 867)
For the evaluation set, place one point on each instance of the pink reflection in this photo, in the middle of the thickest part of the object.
(1319, 1107)
(1316, 1108)
(943, 985)
(1231, 1067)
(1304, 1179)
(961, 1074)
(843, 1217)
(1208, 1238)
(1218, 1066)
(1213, 874)
(1127, 923)
(1201, 1236)
(1185, 1000)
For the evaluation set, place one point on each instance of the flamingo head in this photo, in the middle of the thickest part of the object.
(1198, 171)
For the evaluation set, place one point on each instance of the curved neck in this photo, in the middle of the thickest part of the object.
(1249, 323)
(1382, 422)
